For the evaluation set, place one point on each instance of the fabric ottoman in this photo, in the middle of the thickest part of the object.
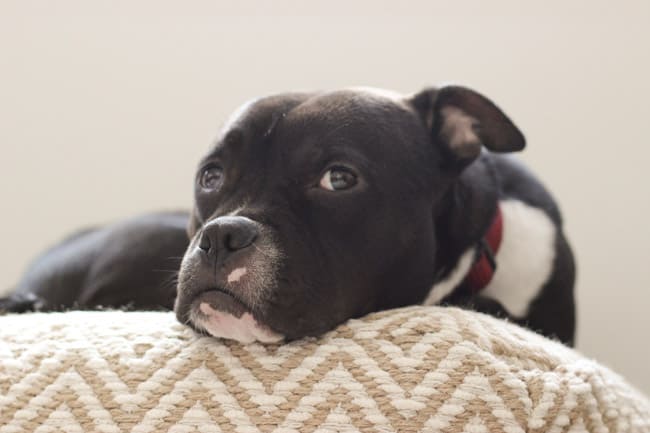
(428, 369)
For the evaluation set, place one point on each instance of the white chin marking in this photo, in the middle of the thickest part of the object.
(244, 329)
(235, 275)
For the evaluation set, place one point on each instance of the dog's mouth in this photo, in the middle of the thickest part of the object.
(221, 313)
(223, 300)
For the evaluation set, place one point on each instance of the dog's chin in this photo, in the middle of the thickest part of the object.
(220, 314)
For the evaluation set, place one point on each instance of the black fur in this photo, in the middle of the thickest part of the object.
(131, 264)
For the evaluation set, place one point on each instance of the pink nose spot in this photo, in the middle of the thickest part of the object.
(235, 275)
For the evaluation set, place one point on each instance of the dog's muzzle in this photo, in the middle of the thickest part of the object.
(225, 276)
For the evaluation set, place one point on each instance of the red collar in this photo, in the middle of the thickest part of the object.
(481, 273)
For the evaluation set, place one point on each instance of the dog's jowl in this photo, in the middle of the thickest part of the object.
(313, 208)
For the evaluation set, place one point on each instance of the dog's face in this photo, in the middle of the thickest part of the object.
(315, 208)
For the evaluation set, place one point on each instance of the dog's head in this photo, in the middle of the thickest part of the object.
(315, 208)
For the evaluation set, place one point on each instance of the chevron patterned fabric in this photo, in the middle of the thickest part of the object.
(427, 369)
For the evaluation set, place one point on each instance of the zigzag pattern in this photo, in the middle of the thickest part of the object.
(427, 369)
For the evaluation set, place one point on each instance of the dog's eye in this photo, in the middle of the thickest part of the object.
(338, 178)
(211, 177)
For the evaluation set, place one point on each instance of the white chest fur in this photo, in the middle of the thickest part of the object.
(524, 261)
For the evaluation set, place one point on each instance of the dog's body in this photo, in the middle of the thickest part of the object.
(315, 208)
(534, 276)
(130, 264)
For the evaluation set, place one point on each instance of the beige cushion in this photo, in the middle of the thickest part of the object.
(414, 369)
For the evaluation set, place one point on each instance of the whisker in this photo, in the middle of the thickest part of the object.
(167, 271)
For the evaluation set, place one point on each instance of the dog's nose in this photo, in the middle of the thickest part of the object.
(225, 235)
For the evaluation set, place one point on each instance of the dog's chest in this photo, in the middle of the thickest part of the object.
(524, 260)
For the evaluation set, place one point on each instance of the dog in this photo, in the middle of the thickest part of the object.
(313, 208)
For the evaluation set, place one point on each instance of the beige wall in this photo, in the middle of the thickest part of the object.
(105, 107)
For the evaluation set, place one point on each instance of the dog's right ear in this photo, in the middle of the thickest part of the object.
(461, 121)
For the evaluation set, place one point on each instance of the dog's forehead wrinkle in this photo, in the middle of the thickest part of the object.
(256, 119)
(268, 112)
(275, 119)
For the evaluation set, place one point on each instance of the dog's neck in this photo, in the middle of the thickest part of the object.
(467, 211)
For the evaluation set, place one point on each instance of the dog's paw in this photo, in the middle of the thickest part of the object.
(20, 303)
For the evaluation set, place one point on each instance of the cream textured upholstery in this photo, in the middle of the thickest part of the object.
(424, 369)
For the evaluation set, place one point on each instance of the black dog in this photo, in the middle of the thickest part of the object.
(313, 208)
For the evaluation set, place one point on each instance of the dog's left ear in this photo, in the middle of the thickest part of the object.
(462, 121)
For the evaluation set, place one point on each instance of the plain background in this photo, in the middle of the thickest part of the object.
(106, 107)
